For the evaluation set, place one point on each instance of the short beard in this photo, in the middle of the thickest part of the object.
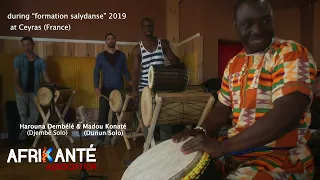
(111, 46)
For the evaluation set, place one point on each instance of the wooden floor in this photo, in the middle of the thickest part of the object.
(109, 160)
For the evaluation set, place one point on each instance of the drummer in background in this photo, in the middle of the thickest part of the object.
(267, 87)
(150, 51)
(113, 65)
(29, 69)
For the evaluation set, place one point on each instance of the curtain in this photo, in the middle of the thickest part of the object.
(226, 51)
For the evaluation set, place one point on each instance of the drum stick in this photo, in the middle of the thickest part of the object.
(105, 97)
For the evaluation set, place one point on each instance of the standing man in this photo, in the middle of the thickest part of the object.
(150, 51)
(113, 65)
(267, 88)
(29, 68)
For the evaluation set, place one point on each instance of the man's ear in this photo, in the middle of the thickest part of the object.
(234, 24)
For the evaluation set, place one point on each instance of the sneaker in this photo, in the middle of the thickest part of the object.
(97, 144)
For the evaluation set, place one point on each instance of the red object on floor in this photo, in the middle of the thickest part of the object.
(226, 51)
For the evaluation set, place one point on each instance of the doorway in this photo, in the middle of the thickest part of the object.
(226, 51)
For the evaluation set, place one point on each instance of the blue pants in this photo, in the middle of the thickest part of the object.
(28, 111)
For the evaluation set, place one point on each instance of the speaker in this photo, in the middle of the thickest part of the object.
(13, 120)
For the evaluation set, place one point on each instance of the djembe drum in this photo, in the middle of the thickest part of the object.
(46, 93)
(46, 96)
(168, 78)
(174, 112)
(166, 162)
(117, 99)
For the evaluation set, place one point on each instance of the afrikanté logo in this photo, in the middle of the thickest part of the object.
(42, 155)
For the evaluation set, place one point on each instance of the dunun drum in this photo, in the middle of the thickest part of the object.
(168, 78)
(166, 162)
(117, 99)
(172, 113)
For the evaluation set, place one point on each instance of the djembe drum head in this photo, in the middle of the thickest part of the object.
(146, 105)
(116, 101)
(166, 162)
(151, 77)
(44, 96)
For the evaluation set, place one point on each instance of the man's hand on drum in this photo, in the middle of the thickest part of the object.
(200, 142)
(203, 143)
(98, 92)
(182, 136)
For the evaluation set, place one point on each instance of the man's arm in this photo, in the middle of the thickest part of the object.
(96, 73)
(16, 80)
(136, 68)
(220, 113)
(291, 94)
(44, 72)
(126, 72)
(168, 52)
(217, 118)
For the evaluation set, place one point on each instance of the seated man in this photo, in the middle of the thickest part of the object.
(267, 87)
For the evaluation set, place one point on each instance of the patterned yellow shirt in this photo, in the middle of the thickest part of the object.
(251, 84)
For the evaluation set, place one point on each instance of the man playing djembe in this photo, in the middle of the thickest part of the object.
(267, 87)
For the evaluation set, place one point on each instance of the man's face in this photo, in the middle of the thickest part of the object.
(111, 41)
(28, 46)
(254, 26)
(147, 28)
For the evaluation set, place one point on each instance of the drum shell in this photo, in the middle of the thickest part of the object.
(172, 113)
(169, 78)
